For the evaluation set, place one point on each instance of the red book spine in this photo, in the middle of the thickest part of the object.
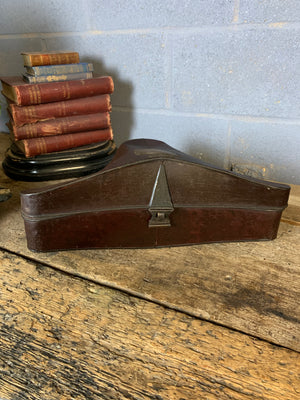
(37, 93)
(30, 114)
(36, 146)
(59, 126)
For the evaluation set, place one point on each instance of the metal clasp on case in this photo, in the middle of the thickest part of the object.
(161, 205)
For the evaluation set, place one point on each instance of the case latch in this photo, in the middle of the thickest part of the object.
(161, 205)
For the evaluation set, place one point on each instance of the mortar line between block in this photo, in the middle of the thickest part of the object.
(236, 11)
(227, 160)
(229, 117)
(234, 26)
(169, 63)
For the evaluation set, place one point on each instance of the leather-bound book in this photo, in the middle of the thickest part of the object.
(59, 69)
(56, 78)
(24, 94)
(49, 144)
(59, 126)
(22, 115)
(50, 58)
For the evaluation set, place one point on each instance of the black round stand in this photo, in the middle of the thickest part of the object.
(65, 164)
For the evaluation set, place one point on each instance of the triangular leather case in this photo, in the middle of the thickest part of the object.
(152, 195)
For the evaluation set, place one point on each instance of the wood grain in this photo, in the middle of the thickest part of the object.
(65, 338)
(251, 287)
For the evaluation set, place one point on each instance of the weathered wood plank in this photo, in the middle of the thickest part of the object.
(63, 337)
(252, 287)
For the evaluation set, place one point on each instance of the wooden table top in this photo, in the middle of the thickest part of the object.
(217, 321)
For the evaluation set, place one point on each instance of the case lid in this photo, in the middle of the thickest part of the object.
(149, 174)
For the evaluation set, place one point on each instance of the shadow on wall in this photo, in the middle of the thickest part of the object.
(201, 151)
(204, 151)
(4, 117)
(123, 93)
(207, 154)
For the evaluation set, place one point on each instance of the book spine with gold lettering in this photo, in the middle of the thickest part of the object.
(51, 58)
(50, 144)
(60, 126)
(22, 93)
(22, 115)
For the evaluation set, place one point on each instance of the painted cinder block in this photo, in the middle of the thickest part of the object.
(11, 61)
(274, 146)
(136, 61)
(204, 138)
(137, 14)
(28, 16)
(278, 12)
(238, 72)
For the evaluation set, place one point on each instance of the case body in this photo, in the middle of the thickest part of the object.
(151, 195)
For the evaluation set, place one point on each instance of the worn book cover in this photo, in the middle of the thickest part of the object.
(50, 144)
(59, 69)
(57, 78)
(59, 126)
(24, 94)
(50, 58)
(22, 115)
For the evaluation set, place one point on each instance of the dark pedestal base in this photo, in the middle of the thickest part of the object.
(65, 164)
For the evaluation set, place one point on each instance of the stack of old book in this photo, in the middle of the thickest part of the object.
(59, 118)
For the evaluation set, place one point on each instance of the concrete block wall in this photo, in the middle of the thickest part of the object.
(219, 79)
